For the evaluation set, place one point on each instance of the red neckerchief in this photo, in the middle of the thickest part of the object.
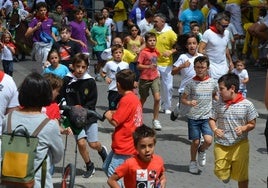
(239, 97)
(39, 18)
(214, 29)
(11, 44)
(1, 75)
(197, 78)
(152, 50)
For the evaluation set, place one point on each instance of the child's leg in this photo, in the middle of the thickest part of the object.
(194, 135)
(92, 139)
(92, 136)
(143, 90)
(156, 105)
(207, 134)
(10, 68)
(156, 93)
(194, 148)
(82, 147)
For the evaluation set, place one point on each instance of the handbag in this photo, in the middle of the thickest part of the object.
(46, 38)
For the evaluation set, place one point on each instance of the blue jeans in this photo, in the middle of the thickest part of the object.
(112, 162)
(196, 127)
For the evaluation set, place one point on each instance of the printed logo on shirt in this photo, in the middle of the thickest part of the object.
(145, 179)
(86, 91)
(64, 54)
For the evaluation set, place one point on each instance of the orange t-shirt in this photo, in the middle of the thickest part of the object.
(137, 173)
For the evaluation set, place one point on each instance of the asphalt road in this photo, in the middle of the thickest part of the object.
(172, 142)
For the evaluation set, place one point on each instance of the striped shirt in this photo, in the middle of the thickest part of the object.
(235, 115)
(202, 92)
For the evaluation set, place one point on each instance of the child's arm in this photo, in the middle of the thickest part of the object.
(217, 132)
(245, 80)
(142, 66)
(107, 79)
(79, 42)
(109, 116)
(215, 96)
(245, 128)
(163, 181)
(188, 102)
(176, 70)
(112, 181)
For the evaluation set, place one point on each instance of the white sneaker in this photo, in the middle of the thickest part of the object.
(167, 112)
(202, 158)
(157, 125)
(193, 167)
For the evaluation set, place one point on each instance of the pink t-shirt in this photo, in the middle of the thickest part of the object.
(148, 57)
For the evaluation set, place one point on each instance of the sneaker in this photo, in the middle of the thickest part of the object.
(226, 180)
(172, 116)
(202, 158)
(103, 153)
(157, 125)
(90, 171)
(167, 112)
(193, 167)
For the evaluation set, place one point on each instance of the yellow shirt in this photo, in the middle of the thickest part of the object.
(128, 56)
(122, 15)
(233, 1)
(165, 42)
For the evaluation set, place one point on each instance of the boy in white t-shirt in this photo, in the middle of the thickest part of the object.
(109, 71)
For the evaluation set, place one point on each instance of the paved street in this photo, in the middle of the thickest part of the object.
(172, 142)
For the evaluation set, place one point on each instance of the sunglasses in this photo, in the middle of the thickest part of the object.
(224, 26)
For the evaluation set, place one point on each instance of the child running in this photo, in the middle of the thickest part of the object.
(125, 119)
(109, 73)
(99, 38)
(145, 168)
(198, 94)
(79, 88)
(55, 67)
(149, 76)
(232, 118)
(185, 66)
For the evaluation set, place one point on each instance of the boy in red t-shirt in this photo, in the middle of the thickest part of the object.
(126, 118)
(149, 76)
(146, 168)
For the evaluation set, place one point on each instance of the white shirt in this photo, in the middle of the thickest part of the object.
(145, 26)
(8, 96)
(111, 68)
(6, 54)
(242, 75)
(186, 73)
(216, 45)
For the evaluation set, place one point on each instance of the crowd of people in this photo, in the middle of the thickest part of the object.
(202, 48)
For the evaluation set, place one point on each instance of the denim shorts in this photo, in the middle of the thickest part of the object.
(196, 127)
(112, 162)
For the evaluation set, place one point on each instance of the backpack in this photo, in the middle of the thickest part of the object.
(18, 154)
